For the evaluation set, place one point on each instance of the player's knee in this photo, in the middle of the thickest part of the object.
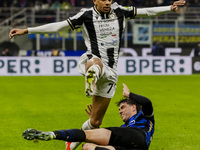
(98, 62)
(93, 61)
(88, 146)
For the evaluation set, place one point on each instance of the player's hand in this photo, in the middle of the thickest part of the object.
(89, 110)
(15, 32)
(125, 91)
(175, 5)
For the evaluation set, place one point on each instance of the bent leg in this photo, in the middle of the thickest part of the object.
(98, 136)
(99, 107)
(93, 70)
(94, 61)
(101, 97)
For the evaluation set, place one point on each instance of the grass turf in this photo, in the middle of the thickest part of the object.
(52, 103)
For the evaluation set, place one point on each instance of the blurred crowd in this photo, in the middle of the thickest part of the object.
(152, 3)
(45, 10)
(65, 4)
(52, 4)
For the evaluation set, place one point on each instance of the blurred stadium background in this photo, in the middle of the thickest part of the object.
(40, 91)
(173, 30)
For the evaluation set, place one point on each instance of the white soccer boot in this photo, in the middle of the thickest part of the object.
(72, 145)
(91, 78)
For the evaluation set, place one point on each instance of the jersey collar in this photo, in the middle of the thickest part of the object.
(133, 118)
(99, 13)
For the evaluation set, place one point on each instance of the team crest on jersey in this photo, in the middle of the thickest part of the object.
(112, 16)
(97, 17)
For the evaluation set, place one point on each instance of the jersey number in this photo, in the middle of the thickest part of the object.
(111, 85)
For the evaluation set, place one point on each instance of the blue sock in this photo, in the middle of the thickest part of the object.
(71, 135)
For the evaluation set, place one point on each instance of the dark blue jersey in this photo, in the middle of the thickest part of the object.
(144, 123)
(144, 119)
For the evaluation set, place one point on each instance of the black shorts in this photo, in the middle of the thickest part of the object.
(127, 138)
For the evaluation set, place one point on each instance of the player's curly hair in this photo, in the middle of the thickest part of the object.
(129, 102)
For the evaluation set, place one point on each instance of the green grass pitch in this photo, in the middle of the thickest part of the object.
(52, 103)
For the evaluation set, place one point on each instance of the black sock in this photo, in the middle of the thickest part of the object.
(72, 135)
(101, 148)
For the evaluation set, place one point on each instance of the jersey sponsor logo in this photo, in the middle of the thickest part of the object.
(103, 37)
(112, 16)
(106, 27)
(132, 122)
(106, 33)
(113, 42)
(106, 21)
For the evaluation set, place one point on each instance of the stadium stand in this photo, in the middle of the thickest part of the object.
(26, 13)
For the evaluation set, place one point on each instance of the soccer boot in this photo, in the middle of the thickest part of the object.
(67, 144)
(72, 145)
(90, 81)
(44, 136)
(31, 134)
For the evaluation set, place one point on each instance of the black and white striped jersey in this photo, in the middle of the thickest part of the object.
(102, 32)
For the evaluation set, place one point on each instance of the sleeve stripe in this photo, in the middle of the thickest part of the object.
(150, 115)
(135, 12)
(70, 23)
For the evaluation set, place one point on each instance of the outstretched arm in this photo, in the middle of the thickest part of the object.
(156, 11)
(47, 28)
(146, 104)
(15, 32)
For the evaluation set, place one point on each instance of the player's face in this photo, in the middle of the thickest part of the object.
(127, 111)
(103, 5)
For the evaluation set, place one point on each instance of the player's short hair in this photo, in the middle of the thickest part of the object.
(129, 102)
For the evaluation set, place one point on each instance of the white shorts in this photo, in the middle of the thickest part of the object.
(106, 85)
